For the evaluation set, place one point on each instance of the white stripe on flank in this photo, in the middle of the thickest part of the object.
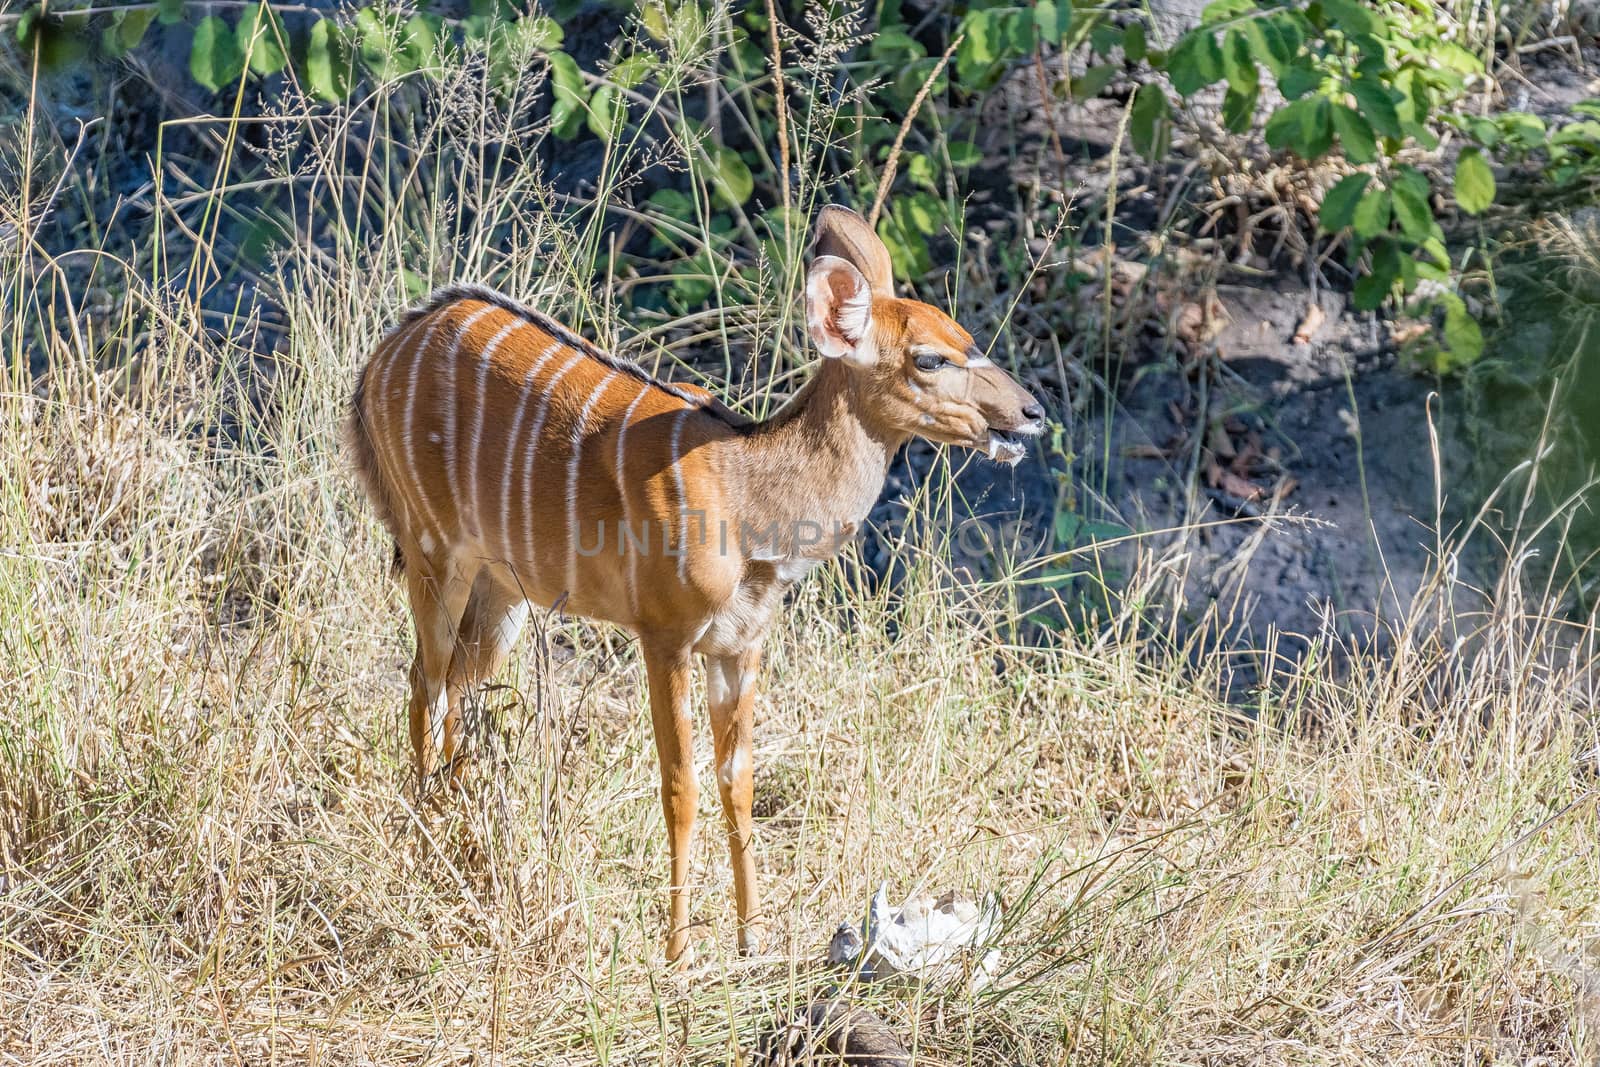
(574, 536)
(533, 442)
(411, 409)
(385, 442)
(449, 447)
(683, 500)
(473, 523)
(622, 491)
(511, 449)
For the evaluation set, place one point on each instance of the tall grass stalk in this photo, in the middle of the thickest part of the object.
(208, 850)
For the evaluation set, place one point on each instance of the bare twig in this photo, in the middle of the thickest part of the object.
(783, 108)
(887, 178)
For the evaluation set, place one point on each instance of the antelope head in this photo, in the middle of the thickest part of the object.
(921, 373)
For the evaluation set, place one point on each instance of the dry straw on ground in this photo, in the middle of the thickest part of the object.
(209, 852)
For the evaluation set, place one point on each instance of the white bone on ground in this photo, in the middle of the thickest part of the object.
(922, 938)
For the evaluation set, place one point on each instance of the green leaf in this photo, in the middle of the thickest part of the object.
(981, 47)
(571, 97)
(1339, 204)
(1093, 81)
(377, 44)
(419, 41)
(1104, 38)
(1194, 63)
(1354, 19)
(1225, 11)
(127, 29)
(169, 12)
(1267, 45)
(1291, 27)
(1462, 334)
(1474, 182)
(1525, 128)
(1369, 293)
(1371, 215)
(1134, 45)
(1298, 79)
(1020, 32)
(1147, 121)
(963, 153)
(1376, 104)
(674, 205)
(730, 177)
(1053, 20)
(606, 106)
(540, 32)
(262, 39)
(27, 23)
(919, 171)
(1455, 57)
(1304, 126)
(895, 46)
(1411, 205)
(1360, 146)
(924, 212)
(908, 252)
(653, 17)
(1373, 288)
(1238, 109)
(131, 26)
(214, 56)
(1237, 63)
(328, 62)
(633, 70)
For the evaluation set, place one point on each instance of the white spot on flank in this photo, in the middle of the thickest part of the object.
(434, 437)
(574, 535)
(427, 543)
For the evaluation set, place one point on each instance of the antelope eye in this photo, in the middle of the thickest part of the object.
(930, 361)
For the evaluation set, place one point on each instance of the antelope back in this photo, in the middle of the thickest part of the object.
(487, 429)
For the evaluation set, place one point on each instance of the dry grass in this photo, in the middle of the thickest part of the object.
(209, 854)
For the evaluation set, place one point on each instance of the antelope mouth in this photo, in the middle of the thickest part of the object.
(1009, 446)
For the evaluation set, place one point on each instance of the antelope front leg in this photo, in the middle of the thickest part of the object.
(731, 687)
(670, 672)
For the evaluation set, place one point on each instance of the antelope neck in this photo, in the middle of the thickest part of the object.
(821, 458)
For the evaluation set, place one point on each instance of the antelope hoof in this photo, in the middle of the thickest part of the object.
(750, 938)
(680, 954)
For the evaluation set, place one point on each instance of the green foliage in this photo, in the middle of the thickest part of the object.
(1366, 81)
(263, 39)
(215, 59)
(328, 68)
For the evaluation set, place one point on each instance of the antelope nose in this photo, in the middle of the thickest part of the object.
(1033, 412)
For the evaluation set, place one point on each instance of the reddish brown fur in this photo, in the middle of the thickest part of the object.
(468, 456)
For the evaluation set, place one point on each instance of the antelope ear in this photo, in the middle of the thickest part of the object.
(843, 233)
(839, 309)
